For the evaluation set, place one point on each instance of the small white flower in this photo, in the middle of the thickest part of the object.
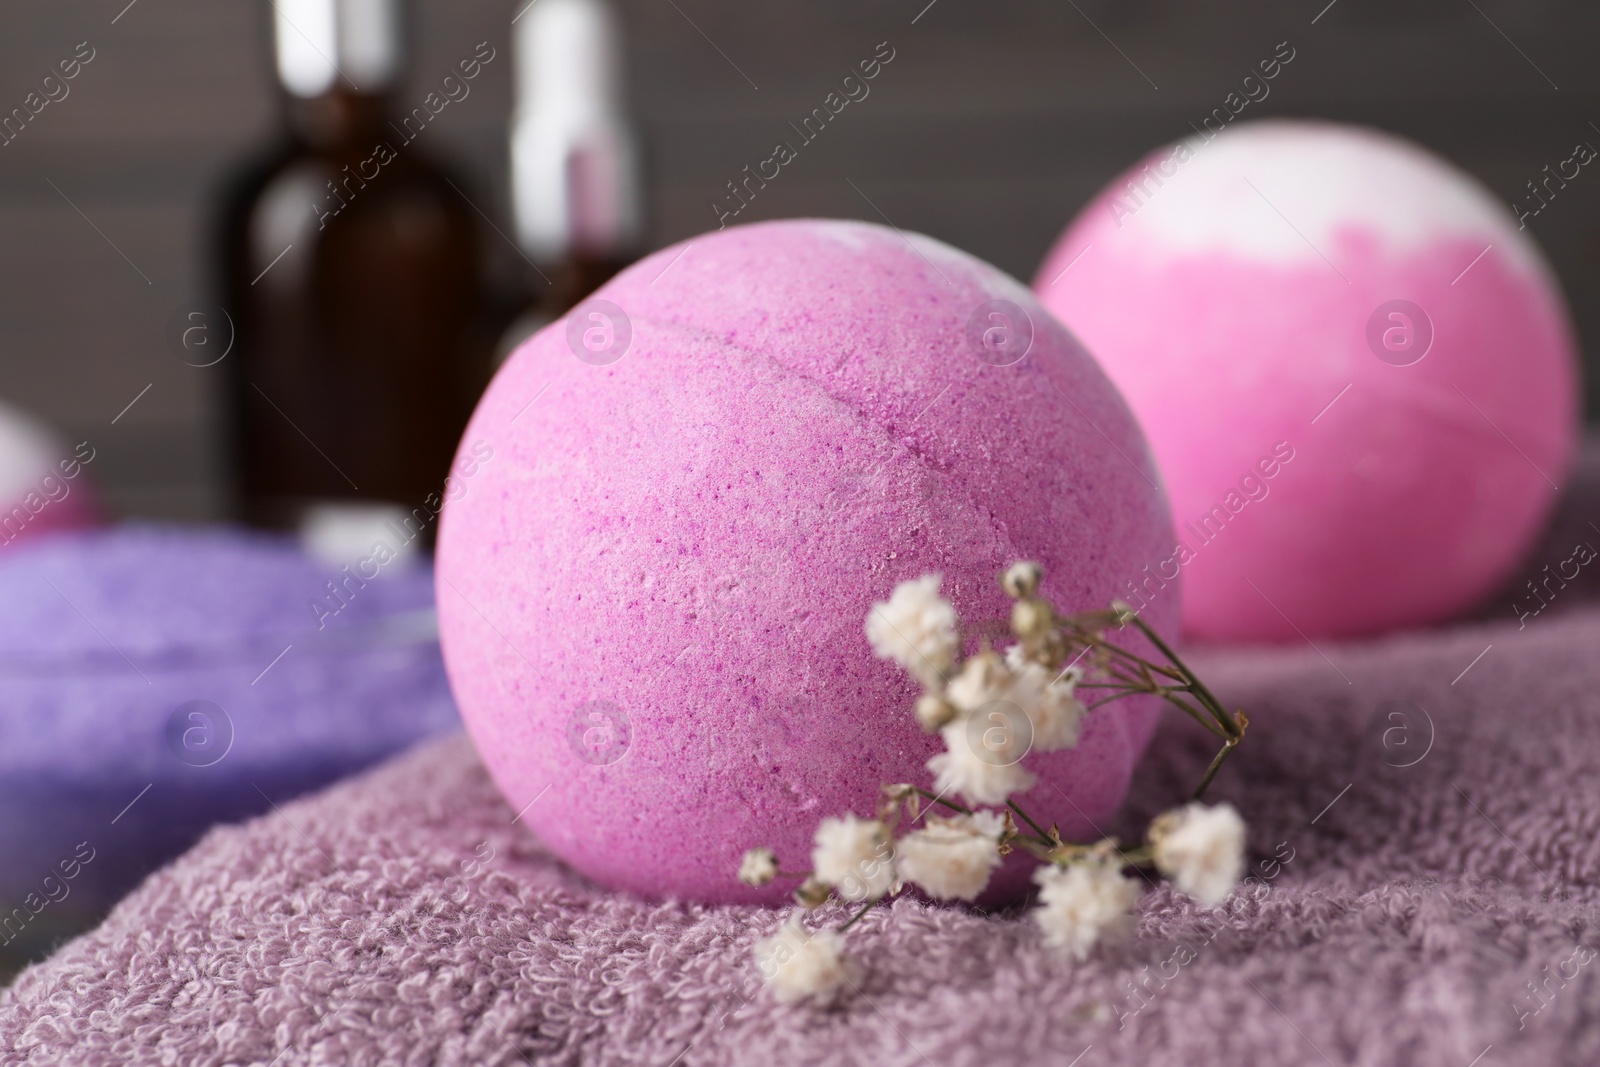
(989, 685)
(983, 679)
(1201, 849)
(916, 628)
(952, 858)
(1083, 905)
(759, 866)
(986, 772)
(1031, 618)
(1021, 579)
(855, 857)
(1056, 713)
(798, 963)
(813, 893)
(934, 712)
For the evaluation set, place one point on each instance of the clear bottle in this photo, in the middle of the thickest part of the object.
(575, 166)
(354, 278)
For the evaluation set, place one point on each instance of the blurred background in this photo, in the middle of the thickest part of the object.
(992, 125)
(166, 679)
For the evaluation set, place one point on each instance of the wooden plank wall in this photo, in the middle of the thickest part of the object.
(995, 121)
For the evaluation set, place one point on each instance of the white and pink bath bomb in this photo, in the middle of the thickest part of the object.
(652, 599)
(1357, 376)
(42, 482)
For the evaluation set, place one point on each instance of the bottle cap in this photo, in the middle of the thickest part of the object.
(573, 154)
(320, 42)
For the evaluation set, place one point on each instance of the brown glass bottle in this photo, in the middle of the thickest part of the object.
(352, 273)
(574, 160)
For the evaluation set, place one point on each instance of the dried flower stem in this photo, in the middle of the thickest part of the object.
(1222, 754)
(1089, 629)
(868, 906)
(937, 799)
(1014, 806)
(1131, 674)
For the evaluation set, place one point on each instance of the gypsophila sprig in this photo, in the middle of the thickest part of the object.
(759, 867)
(992, 709)
(916, 628)
(1201, 849)
(854, 857)
(952, 859)
(799, 964)
(1084, 904)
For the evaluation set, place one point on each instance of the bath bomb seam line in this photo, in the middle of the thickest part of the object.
(1150, 467)
(898, 445)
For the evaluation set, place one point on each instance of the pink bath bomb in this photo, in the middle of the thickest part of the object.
(1357, 375)
(43, 486)
(653, 591)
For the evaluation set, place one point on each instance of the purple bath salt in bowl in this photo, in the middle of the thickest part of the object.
(156, 681)
(652, 602)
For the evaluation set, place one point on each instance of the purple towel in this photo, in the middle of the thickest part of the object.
(1425, 824)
